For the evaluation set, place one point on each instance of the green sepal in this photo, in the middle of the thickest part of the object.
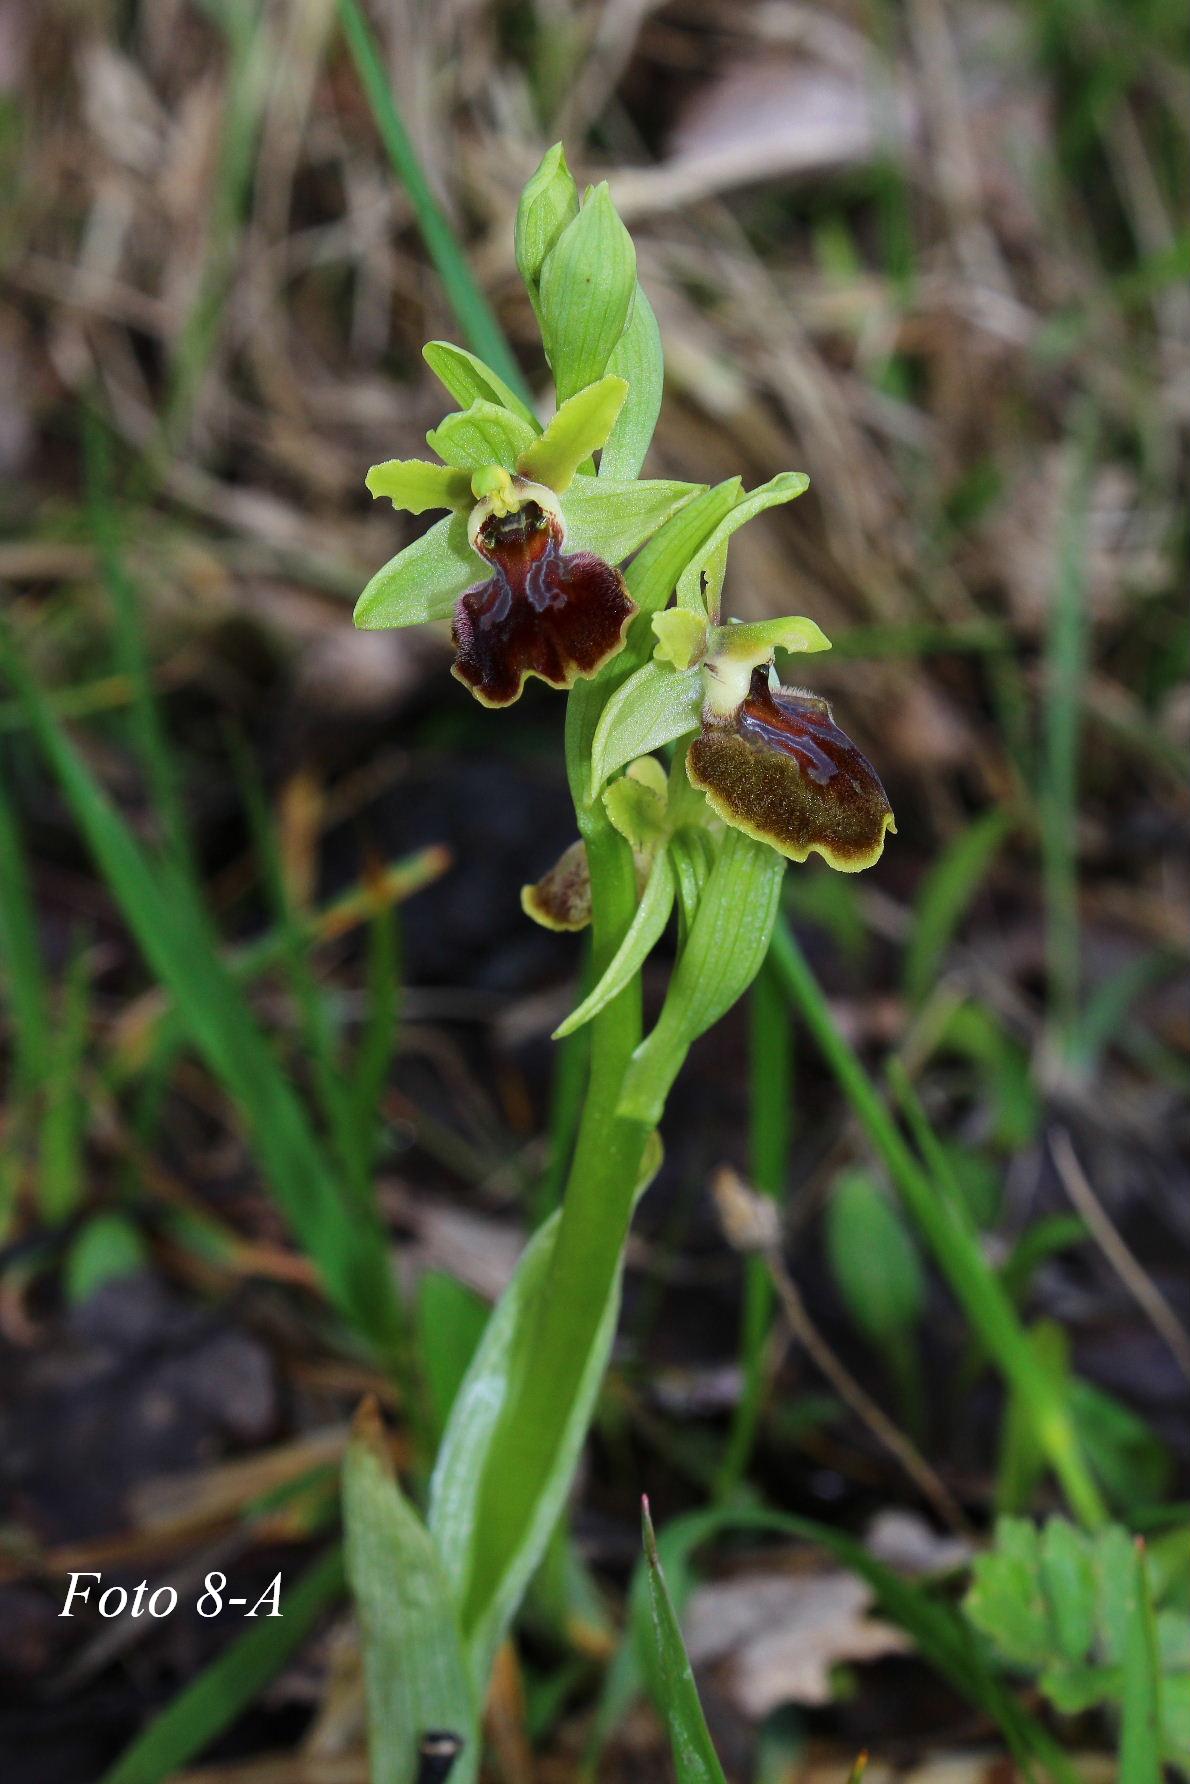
(423, 582)
(469, 380)
(614, 519)
(757, 641)
(586, 291)
(641, 937)
(636, 357)
(724, 949)
(548, 203)
(785, 487)
(484, 434)
(637, 804)
(579, 428)
(413, 485)
(681, 637)
(653, 707)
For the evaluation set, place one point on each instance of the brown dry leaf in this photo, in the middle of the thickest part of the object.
(779, 1634)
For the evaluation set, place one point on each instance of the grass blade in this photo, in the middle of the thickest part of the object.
(945, 895)
(173, 934)
(413, 1658)
(955, 1248)
(24, 979)
(475, 315)
(695, 1759)
(224, 1690)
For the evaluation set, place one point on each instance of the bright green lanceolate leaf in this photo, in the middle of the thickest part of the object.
(785, 487)
(874, 1261)
(637, 357)
(548, 203)
(579, 428)
(458, 1473)
(681, 637)
(653, 707)
(722, 955)
(469, 380)
(423, 582)
(413, 1659)
(585, 293)
(637, 804)
(695, 1759)
(692, 852)
(484, 434)
(414, 485)
(614, 519)
(642, 936)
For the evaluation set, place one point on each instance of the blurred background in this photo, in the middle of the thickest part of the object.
(938, 257)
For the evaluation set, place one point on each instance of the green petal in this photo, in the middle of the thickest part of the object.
(484, 434)
(643, 934)
(637, 802)
(637, 357)
(713, 556)
(651, 708)
(422, 582)
(586, 290)
(469, 380)
(614, 519)
(578, 429)
(414, 485)
(755, 642)
(681, 637)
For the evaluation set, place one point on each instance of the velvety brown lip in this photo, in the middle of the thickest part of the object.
(543, 611)
(782, 770)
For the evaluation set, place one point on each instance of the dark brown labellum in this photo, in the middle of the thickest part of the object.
(780, 769)
(544, 611)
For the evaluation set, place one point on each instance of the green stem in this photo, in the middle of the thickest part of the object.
(596, 1209)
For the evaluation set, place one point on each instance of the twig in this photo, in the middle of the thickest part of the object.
(752, 1223)
(1124, 1262)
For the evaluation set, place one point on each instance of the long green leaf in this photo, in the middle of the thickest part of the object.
(413, 1659)
(455, 1490)
(946, 892)
(21, 966)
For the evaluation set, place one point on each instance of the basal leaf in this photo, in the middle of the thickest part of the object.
(413, 1660)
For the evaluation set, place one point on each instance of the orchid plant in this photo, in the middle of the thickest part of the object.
(696, 777)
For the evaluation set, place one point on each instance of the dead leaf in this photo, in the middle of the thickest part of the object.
(779, 1634)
